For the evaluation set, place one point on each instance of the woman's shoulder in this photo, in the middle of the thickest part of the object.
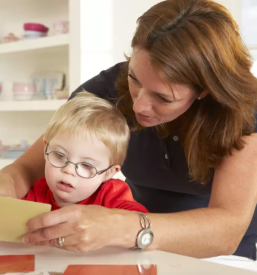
(103, 84)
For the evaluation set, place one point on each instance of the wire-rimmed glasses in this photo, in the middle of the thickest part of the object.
(83, 169)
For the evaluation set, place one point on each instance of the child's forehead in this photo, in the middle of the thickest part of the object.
(81, 143)
(76, 135)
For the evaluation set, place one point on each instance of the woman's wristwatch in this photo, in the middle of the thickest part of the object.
(145, 235)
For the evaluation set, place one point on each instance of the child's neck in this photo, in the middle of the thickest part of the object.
(63, 203)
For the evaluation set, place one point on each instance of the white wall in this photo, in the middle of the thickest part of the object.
(235, 7)
(106, 32)
(249, 21)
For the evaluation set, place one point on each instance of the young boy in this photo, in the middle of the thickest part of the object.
(85, 144)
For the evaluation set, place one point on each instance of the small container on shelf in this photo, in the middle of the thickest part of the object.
(23, 91)
(34, 30)
(61, 94)
(49, 94)
(10, 38)
(48, 82)
(34, 34)
(61, 27)
(3, 148)
(13, 151)
(1, 87)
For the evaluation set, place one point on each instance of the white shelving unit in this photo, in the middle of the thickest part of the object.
(252, 47)
(5, 162)
(35, 44)
(33, 105)
(26, 120)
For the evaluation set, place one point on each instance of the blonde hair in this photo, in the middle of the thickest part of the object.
(86, 113)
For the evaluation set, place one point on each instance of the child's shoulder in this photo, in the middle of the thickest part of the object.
(116, 188)
(38, 192)
(114, 183)
(40, 184)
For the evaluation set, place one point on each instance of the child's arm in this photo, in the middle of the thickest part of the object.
(117, 194)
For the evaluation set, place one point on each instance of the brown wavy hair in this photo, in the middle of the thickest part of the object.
(197, 43)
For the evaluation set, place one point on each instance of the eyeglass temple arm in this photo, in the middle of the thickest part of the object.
(46, 148)
(101, 172)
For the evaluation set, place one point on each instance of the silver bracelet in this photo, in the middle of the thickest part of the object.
(144, 220)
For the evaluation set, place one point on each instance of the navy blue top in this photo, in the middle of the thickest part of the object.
(157, 170)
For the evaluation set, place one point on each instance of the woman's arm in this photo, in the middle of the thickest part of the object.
(207, 232)
(218, 229)
(20, 175)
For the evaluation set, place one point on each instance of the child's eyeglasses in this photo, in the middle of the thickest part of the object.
(83, 169)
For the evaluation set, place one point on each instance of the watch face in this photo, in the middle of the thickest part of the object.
(145, 238)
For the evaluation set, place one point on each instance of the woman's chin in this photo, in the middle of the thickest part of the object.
(146, 122)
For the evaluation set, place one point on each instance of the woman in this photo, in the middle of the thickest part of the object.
(189, 98)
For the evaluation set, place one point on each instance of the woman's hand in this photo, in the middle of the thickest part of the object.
(84, 228)
(7, 186)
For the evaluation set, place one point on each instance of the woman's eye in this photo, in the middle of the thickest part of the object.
(164, 100)
(133, 79)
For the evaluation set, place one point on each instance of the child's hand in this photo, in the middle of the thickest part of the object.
(7, 186)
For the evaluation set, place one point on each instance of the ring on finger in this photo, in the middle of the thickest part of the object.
(61, 241)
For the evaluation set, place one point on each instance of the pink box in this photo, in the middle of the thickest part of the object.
(61, 27)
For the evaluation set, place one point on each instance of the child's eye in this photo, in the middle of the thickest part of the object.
(86, 165)
(59, 155)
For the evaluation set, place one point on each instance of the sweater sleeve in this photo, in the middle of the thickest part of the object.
(116, 194)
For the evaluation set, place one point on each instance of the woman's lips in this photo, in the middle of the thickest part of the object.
(143, 116)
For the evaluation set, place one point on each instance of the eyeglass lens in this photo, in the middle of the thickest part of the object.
(83, 169)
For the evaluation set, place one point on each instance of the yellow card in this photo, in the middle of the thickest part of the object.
(14, 214)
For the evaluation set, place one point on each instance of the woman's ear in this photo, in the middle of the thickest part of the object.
(111, 172)
(202, 95)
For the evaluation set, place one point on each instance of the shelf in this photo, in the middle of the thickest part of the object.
(35, 44)
(5, 162)
(252, 47)
(40, 105)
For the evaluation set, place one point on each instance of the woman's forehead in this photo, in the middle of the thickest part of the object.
(141, 67)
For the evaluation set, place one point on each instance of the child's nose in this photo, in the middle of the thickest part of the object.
(70, 169)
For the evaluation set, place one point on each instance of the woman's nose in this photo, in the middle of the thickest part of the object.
(142, 102)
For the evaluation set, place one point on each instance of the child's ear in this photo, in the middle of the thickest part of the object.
(111, 172)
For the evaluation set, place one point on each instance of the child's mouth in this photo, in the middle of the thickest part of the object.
(66, 187)
(66, 184)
